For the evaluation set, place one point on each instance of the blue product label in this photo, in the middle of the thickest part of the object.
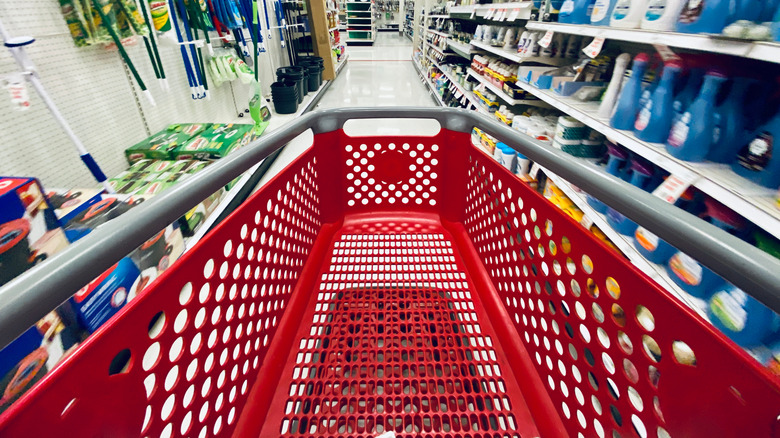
(600, 10)
(655, 10)
(568, 7)
(622, 9)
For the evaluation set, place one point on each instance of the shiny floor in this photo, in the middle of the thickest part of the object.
(378, 75)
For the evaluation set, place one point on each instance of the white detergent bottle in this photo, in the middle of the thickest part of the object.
(662, 14)
(628, 14)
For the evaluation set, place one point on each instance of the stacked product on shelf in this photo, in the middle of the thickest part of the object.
(360, 22)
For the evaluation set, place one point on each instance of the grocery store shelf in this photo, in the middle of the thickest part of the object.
(473, 100)
(514, 57)
(764, 51)
(624, 243)
(428, 83)
(753, 202)
(438, 49)
(463, 50)
(444, 34)
(481, 11)
(437, 16)
(501, 95)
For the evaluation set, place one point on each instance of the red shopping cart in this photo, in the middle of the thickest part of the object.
(404, 284)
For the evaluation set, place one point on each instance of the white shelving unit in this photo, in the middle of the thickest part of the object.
(764, 51)
(514, 57)
(463, 50)
(500, 12)
(624, 243)
(753, 202)
(444, 34)
(360, 20)
(503, 96)
(473, 100)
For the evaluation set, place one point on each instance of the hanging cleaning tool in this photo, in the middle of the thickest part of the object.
(129, 12)
(191, 78)
(257, 108)
(16, 47)
(280, 20)
(152, 39)
(109, 25)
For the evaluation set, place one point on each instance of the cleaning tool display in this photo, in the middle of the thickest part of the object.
(691, 137)
(17, 48)
(196, 55)
(627, 107)
(704, 16)
(758, 160)
(662, 14)
(655, 118)
(628, 14)
(151, 43)
(190, 65)
(729, 132)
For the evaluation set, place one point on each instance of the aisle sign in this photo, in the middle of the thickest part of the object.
(547, 39)
(594, 48)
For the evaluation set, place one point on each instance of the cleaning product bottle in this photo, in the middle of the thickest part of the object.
(576, 11)
(615, 85)
(768, 11)
(729, 132)
(685, 98)
(758, 160)
(704, 16)
(628, 14)
(649, 84)
(522, 41)
(627, 106)
(657, 250)
(749, 10)
(741, 317)
(691, 137)
(617, 159)
(692, 276)
(655, 119)
(641, 170)
(602, 12)
(662, 14)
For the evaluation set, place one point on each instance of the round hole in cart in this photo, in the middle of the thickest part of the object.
(596, 404)
(603, 337)
(616, 415)
(645, 318)
(592, 288)
(156, 325)
(152, 356)
(631, 372)
(618, 315)
(639, 426)
(593, 381)
(185, 294)
(587, 264)
(208, 269)
(575, 288)
(589, 356)
(613, 288)
(121, 362)
(683, 353)
(651, 348)
(598, 314)
(625, 343)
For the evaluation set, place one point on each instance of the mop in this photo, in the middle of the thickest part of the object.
(257, 108)
(16, 47)
(191, 79)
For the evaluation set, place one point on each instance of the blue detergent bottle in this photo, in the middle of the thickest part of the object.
(729, 131)
(684, 98)
(655, 118)
(691, 137)
(657, 250)
(705, 16)
(649, 85)
(692, 276)
(768, 11)
(602, 12)
(627, 106)
(641, 170)
(758, 160)
(750, 10)
(576, 11)
(616, 162)
(741, 317)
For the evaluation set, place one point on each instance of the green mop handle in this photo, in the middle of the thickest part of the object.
(256, 36)
(150, 26)
(122, 52)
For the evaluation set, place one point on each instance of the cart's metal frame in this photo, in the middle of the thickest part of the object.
(28, 298)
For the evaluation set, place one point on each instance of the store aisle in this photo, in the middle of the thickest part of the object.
(378, 75)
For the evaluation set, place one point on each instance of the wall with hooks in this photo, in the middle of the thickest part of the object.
(99, 98)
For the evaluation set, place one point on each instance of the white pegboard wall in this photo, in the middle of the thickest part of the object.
(95, 94)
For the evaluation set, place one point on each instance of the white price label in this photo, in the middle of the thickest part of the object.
(534, 171)
(666, 53)
(490, 13)
(586, 222)
(594, 48)
(547, 39)
(674, 186)
(513, 15)
(503, 14)
(473, 13)
(17, 89)
(458, 94)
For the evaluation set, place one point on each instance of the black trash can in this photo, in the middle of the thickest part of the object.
(293, 73)
(285, 97)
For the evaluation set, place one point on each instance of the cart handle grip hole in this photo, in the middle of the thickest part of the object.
(412, 127)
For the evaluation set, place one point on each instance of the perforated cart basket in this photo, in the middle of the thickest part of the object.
(404, 284)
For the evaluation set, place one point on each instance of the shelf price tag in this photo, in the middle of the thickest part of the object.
(674, 186)
(17, 89)
(586, 222)
(666, 53)
(513, 15)
(473, 13)
(594, 48)
(547, 39)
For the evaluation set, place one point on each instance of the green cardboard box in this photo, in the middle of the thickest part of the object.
(161, 145)
(216, 142)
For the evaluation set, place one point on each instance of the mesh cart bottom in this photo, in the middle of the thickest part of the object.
(395, 339)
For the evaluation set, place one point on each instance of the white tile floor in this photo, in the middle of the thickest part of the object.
(378, 75)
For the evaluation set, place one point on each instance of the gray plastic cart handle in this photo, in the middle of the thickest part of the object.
(29, 297)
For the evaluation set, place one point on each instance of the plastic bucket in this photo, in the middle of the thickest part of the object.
(296, 74)
(315, 75)
(285, 97)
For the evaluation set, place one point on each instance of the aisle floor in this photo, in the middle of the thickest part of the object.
(378, 75)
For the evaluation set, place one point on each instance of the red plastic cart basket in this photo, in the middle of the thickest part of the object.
(400, 284)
